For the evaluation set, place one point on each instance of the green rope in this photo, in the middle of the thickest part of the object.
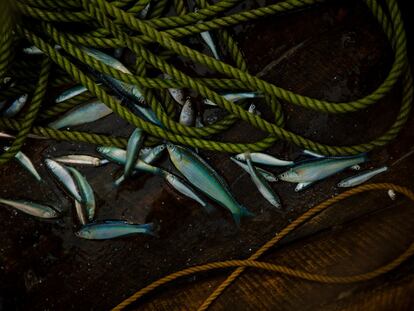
(154, 41)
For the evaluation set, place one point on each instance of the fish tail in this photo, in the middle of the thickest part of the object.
(243, 211)
(150, 229)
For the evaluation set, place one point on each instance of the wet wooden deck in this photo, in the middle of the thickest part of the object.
(334, 51)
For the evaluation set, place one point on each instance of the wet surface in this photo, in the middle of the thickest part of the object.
(333, 51)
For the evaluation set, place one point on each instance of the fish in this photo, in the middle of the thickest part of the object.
(148, 115)
(5, 135)
(176, 94)
(113, 229)
(202, 176)
(70, 93)
(181, 186)
(391, 193)
(86, 192)
(303, 185)
(25, 162)
(262, 185)
(270, 177)
(80, 159)
(32, 208)
(15, 107)
(199, 122)
(253, 109)
(82, 114)
(116, 64)
(153, 154)
(361, 177)
(187, 115)
(319, 169)
(34, 50)
(118, 156)
(317, 155)
(65, 179)
(132, 153)
(265, 159)
(234, 97)
(143, 14)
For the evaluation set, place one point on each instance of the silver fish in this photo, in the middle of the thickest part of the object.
(118, 156)
(203, 177)
(208, 39)
(253, 109)
(65, 179)
(391, 193)
(113, 229)
(70, 93)
(25, 162)
(265, 159)
(80, 159)
(234, 97)
(31, 208)
(34, 50)
(319, 169)
(143, 14)
(199, 122)
(16, 106)
(176, 94)
(267, 175)
(5, 135)
(86, 192)
(317, 155)
(182, 187)
(361, 177)
(153, 155)
(262, 185)
(81, 213)
(303, 185)
(187, 115)
(83, 114)
(148, 115)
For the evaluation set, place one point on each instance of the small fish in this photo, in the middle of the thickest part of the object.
(5, 135)
(318, 169)
(203, 177)
(199, 122)
(148, 115)
(25, 162)
(80, 159)
(143, 14)
(86, 192)
(265, 159)
(262, 185)
(266, 174)
(208, 39)
(187, 115)
(65, 179)
(361, 177)
(15, 107)
(176, 94)
(113, 229)
(181, 186)
(391, 193)
(118, 156)
(31, 208)
(317, 155)
(132, 153)
(34, 50)
(70, 93)
(303, 185)
(253, 109)
(153, 154)
(234, 97)
(83, 114)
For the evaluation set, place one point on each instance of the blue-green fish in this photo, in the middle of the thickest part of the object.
(83, 114)
(70, 93)
(32, 208)
(319, 169)
(203, 177)
(118, 156)
(134, 145)
(113, 229)
(34, 50)
(25, 162)
(270, 177)
(361, 177)
(265, 159)
(86, 192)
(15, 107)
(208, 39)
(234, 97)
(148, 115)
(181, 186)
(303, 185)
(65, 179)
(81, 159)
(262, 185)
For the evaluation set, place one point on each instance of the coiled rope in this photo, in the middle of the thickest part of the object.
(154, 41)
(253, 262)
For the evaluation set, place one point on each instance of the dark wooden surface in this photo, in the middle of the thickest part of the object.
(334, 51)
